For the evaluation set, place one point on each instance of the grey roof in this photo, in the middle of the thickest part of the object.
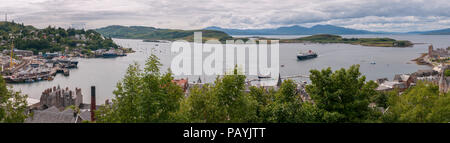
(85, 115)
(52, 115)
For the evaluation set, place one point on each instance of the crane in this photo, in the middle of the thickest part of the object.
(11, 64)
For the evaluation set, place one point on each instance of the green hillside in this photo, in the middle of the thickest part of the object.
(51, 39)
(151, 33)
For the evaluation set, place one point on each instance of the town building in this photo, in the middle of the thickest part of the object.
(60, 98)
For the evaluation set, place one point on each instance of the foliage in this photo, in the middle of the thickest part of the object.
(344, 94)
(447, 72)
(339, 96)
(151, 33)
(13, 105)
(52, 39)
(420, 104)
(225, 101)
(143, 96)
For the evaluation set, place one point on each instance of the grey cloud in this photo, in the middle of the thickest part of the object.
(397, 15)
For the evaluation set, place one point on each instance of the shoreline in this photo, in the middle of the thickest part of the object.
(421, 60)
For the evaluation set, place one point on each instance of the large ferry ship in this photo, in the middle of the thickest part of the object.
(304, 56)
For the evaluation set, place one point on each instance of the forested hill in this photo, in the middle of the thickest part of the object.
(51, 39)
(151, 33)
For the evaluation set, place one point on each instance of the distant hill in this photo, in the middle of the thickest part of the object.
(152, 33)
(294, 30)
(433, 32)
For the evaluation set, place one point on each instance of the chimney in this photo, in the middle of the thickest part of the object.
(93, 105)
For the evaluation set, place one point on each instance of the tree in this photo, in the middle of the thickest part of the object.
(343, 94)
(419, 104)
(13, 105)
(264, 98)
(143, 96)
(223, 102)
(287, 106)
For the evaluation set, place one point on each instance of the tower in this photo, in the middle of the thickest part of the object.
(430, 51)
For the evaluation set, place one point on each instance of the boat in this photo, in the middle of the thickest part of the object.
(304, 56)
(373, 62)
(264, 76)
(29, 80)
(110, 54)
(66, 72)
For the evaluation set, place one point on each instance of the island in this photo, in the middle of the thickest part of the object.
(328, 38)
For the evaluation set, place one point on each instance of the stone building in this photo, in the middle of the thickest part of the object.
(60, 98)
(440, 53)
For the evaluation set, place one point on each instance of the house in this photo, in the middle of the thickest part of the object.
(183, 83)
(25, 53)
(54, 115)
(391, 85)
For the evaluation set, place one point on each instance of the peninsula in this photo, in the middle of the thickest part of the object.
(52, 39)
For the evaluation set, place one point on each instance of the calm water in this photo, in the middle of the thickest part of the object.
(105, 73)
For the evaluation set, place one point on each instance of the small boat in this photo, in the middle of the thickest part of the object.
(66, 72)
(304, 56)
(29, 80)
(373, 63)
(264, 76)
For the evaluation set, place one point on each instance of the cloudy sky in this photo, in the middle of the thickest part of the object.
(374, 15)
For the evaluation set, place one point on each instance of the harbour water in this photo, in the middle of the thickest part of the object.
(105, 73)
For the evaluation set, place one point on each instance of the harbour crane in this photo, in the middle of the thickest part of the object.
(11, 64)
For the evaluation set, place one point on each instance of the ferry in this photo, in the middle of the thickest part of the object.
(304, 56)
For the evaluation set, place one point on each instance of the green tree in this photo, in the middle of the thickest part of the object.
(419, 104)
(287, 106)
(13, 105)
(264, 98)
(225, 101)
(343, 94)
(144, 96)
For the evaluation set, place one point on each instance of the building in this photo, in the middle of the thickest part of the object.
(24, 53)
(60, 98)
(183, 83)
(440, 53)
(54, 115)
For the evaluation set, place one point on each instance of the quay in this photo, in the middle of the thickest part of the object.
(34, 68)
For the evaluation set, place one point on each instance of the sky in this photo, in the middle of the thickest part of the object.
(373, 15)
